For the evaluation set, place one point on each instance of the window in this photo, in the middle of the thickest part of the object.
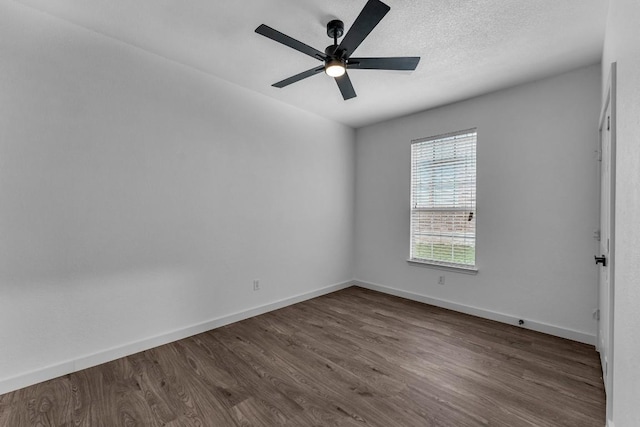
(443, 200)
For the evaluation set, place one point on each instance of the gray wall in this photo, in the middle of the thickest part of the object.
(621, 46)
(537, 205)
(139, 197)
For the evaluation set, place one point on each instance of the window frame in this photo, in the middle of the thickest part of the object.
(440, 264)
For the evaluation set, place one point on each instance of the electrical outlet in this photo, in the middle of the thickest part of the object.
(441, 280)
(256, 285)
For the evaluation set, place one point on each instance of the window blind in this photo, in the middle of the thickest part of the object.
(443, 199)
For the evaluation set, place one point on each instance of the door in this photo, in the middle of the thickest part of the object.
(606, 256)
(605, 243)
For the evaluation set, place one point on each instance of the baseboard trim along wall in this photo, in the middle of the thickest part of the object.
(87, 361)
(479, 312)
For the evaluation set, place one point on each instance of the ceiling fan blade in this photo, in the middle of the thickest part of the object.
(346, 88)
(298, 77)
(393, 63)
(289, 41)
(370, 16)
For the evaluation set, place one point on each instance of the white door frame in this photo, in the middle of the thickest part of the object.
(606, 124)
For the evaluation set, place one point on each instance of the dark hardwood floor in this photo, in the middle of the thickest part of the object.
(351, 358)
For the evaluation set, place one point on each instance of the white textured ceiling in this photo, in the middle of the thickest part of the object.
(468, 47)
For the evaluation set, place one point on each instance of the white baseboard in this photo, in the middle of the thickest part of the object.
(47, 373)
(479, 312)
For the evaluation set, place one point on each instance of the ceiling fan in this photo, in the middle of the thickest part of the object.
(337, 58)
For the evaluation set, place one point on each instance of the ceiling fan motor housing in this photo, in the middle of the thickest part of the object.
(332, 52)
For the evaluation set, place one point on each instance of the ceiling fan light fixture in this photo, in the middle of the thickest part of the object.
(335, 68)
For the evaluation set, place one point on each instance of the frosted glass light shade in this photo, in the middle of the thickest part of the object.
(335, 68)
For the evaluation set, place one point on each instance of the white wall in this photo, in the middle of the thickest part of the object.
(622, 46)
(139, 197)
(537, 205)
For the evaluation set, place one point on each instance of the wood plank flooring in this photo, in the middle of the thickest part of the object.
(350, 358)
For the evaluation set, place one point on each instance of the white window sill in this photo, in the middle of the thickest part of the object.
(457, 268)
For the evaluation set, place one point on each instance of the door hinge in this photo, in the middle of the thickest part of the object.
(596, 314)
(596, 235)
(608, 122)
